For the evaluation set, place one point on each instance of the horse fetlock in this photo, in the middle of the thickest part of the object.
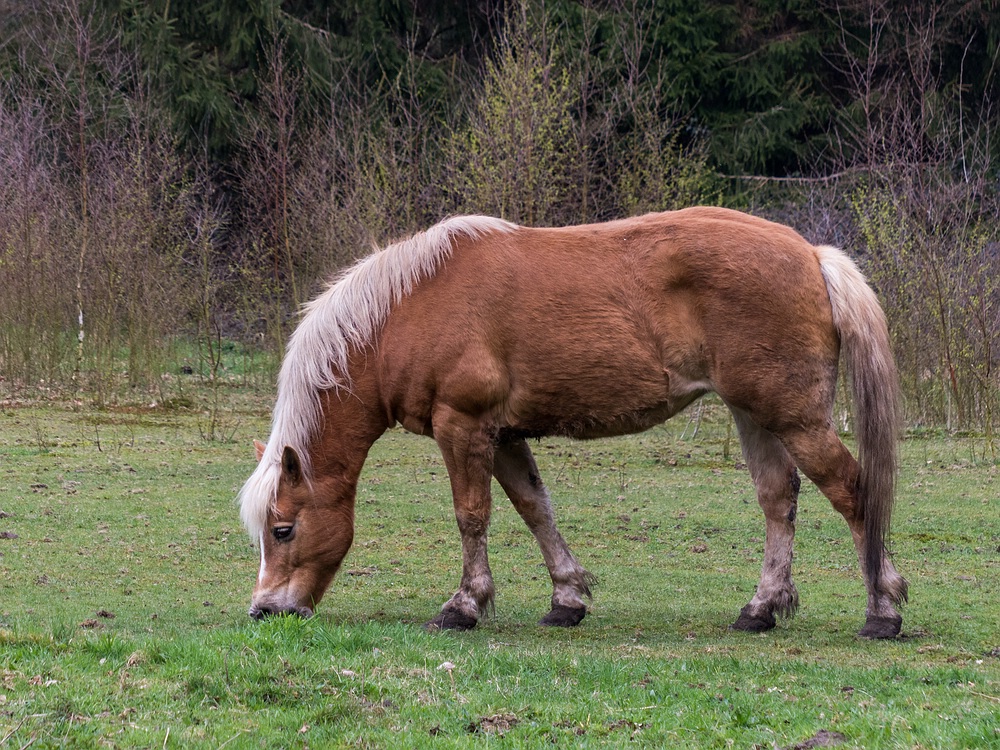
(570, 588)
(476, 590)
(896, 587)
(786, 602)
(586, 580)
(776, 598)
(568, 596)
(893, 592)
(461, 612)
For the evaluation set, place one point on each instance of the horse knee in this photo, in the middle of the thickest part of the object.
(473, 524)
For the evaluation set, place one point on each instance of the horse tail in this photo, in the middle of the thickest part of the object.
(864, 344)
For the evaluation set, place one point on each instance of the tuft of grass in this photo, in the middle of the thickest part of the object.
(123, 602)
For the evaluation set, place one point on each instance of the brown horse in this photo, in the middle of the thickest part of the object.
(482, 334)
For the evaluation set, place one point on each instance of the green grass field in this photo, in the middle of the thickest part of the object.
(125, 578)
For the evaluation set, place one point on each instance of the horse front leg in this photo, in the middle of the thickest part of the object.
(467, 449)
(516, 471)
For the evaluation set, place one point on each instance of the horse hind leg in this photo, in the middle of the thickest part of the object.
(827, 462)
(515, 469)
(777, 484)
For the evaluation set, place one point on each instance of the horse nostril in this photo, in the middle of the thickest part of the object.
(259, 613)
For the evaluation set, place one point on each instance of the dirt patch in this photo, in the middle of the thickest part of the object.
(822, 738)
(369, 570)
(577, 729)
(495, 724)
(634, 727)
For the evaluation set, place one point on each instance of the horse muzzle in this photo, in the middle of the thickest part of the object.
(260, 610)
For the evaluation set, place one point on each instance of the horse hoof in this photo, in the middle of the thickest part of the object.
(564, 617)
(451, 619)
(879, 628)
(749, 623)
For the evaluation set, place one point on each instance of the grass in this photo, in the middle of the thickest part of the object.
(125, 578)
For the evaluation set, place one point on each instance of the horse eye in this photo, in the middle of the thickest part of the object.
(282, 533)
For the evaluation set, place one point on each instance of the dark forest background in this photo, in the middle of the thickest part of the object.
(178, 176)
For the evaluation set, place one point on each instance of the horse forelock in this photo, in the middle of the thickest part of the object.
(345, 317)
(257, 496)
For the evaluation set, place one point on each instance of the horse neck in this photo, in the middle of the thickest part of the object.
(349, 429)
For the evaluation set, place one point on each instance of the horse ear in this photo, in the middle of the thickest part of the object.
(291, 466)
(259, 449)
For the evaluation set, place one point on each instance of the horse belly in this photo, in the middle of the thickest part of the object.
(599, 394)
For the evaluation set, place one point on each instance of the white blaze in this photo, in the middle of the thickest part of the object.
(263, 562)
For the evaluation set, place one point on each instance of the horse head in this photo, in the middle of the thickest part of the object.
(308, 531)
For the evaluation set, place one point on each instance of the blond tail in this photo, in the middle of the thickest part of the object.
(864, 345)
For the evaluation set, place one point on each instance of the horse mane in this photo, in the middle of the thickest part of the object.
(345, 317)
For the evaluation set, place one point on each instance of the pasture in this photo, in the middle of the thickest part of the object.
(125, 577)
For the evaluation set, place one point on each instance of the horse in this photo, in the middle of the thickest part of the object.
(483, 335)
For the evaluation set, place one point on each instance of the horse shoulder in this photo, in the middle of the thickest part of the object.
(442, 344)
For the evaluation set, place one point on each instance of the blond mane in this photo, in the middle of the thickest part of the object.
(345, 317)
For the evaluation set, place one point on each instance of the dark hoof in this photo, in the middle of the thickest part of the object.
(753, 623)
(451, 619)
(564, 617)
(878, 628)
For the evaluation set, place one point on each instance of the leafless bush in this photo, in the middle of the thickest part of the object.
(514, 153)
(316, 197)
(36, 293)
(557, 135)
(94, 221)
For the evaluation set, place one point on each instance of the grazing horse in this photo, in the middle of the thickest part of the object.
(482, 334)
